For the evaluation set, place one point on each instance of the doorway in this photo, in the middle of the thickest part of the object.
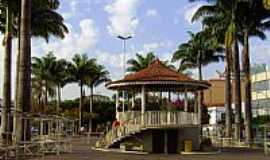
(158, 141)
(172, 136)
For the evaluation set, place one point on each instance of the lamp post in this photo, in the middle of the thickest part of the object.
(124, 39)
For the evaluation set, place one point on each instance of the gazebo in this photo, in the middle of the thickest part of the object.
(160, 131)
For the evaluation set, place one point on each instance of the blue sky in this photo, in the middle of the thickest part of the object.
(156, 25)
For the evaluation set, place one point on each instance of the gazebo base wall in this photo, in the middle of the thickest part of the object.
(171, 141)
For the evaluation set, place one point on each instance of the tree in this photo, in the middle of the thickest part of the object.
(45, 22)
(7, 42)
(49, 76)
(42, 71)
(59, 76)
(198, 51)
(218, 17)
(254, 21)
(140, 62)
(79, 70)
(234, 17)
(24, 88)
(99, 76)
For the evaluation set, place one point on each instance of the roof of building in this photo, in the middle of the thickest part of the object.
(156, 75)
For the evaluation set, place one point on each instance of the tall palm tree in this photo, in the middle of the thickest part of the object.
(99, 76)
(218, 17)
(24, 88)
(199, 51)
(7, 42)
(79, 69)
(45, 22)
(254, 21)
(234, 17)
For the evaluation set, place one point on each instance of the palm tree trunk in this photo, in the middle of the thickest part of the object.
(246, 68)
(91, 107)
(237, 90)
(17, 75)
(24, 88)
(59, 98)
(228, 93)
(200, 95)
(80, 106)
(7, 72)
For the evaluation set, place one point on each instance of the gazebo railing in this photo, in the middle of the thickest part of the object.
(159, 118)
(132, 122)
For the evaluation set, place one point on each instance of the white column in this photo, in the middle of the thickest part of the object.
(133, 101)
(123, 102)
(117, 105)
(186, 101)
(143, 103)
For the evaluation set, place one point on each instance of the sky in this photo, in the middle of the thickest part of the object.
(156, 26)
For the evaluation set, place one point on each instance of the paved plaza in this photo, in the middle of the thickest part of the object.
(83, 151)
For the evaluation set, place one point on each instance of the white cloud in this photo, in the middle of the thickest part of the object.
(73, 5)
(151, 13)
(154, 46)
(74, 42)
(76, 10)
(122, 17)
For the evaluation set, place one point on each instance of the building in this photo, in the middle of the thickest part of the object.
(260, 90)
(214, 99)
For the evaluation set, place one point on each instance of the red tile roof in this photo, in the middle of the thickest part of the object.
(157, 71)
(159, 74)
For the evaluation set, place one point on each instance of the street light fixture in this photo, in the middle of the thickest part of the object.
(124, 38)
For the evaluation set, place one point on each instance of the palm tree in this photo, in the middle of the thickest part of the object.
(49, 73)
(233, 18)
(79, 69)
(44, 22)
(38, 93)
(218, 17)
(24, 88)
(254, 21)
(58, 74)
(140, 62)
(200, 50)
(99, 76)
(42, 70)
(7, 42)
